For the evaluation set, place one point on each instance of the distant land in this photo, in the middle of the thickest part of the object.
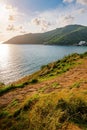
(68, 35)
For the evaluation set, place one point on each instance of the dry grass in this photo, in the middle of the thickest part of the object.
(57, 102)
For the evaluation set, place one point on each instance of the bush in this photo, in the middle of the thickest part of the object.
(29, 103)
(2, 84)
(6, 89)
(43, 66)
(17, 112)
(34, 81)
(25, 83)
(74, 110)
(62, 104)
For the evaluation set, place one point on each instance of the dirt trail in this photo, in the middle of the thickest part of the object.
(79, 73)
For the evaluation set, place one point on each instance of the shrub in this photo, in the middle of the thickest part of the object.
(62, 104)
(3, 114)
(19, 85)
(6, 89)
(2, 84)
(17, 112)
(34, 81)
(25, 83)
(75, 85)
(74, 110)
(43, 66)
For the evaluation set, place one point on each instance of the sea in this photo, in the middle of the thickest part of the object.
(17, 61)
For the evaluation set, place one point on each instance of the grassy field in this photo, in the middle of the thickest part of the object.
(54, 98)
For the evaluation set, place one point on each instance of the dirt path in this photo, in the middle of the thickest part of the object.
(79, 73)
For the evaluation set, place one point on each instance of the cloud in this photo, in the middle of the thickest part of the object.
(13, 13)
(36, 21)
(81, 11)
(66, 20)
(11, 27)
(69, 1)
(14, 22)
(83, 2)
(12, 10)
(8, 7)
(15, 28)
(23, 32)
(41, 22)
(51, 19)
(11, 18)
(20, 27)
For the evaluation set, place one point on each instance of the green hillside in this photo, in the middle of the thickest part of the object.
(69, 35)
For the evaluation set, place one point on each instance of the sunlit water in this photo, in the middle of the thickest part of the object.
(16, 61)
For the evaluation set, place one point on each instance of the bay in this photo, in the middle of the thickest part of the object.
(17, 61)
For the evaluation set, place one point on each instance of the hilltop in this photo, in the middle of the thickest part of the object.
(54, 98)
(68, 35)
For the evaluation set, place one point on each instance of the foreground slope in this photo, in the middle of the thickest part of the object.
(53, 98)
(68, 35)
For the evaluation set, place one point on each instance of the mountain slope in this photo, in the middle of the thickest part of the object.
(71, 38)
(68, 35)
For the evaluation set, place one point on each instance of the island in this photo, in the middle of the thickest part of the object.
(68, 35)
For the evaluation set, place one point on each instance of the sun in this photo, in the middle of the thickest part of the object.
(4, 13)
(2, 10)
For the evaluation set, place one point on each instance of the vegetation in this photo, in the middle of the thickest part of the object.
(69, 35)
(34, 81)
(1, 84)
(6, 89)
(47, 71)
(42, 112)
(41, 102)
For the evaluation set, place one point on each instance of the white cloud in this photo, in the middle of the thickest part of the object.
(82, 2)
(69, 1)
(42, 23)
(13, 22)
(51, 19)
(64, 20)
(81, 11)
(11, 28)
(11, 18)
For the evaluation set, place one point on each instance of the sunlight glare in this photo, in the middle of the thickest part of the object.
(3, 12)
(4, 55)
(4, 50)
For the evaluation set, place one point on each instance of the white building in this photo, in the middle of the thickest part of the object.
(82, 43)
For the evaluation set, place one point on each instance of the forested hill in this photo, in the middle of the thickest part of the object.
(68, 35)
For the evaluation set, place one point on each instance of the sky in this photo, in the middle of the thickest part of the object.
(18, 17)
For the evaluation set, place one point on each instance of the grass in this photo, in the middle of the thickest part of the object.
(47, 72)
(3, 114)
(1, 84)
(49, 88)
(59, 67)
(75, 85)
(75, 110)
(13, 103)
(6, 89)
(33, 81)
(46, 109)
(55, 110)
